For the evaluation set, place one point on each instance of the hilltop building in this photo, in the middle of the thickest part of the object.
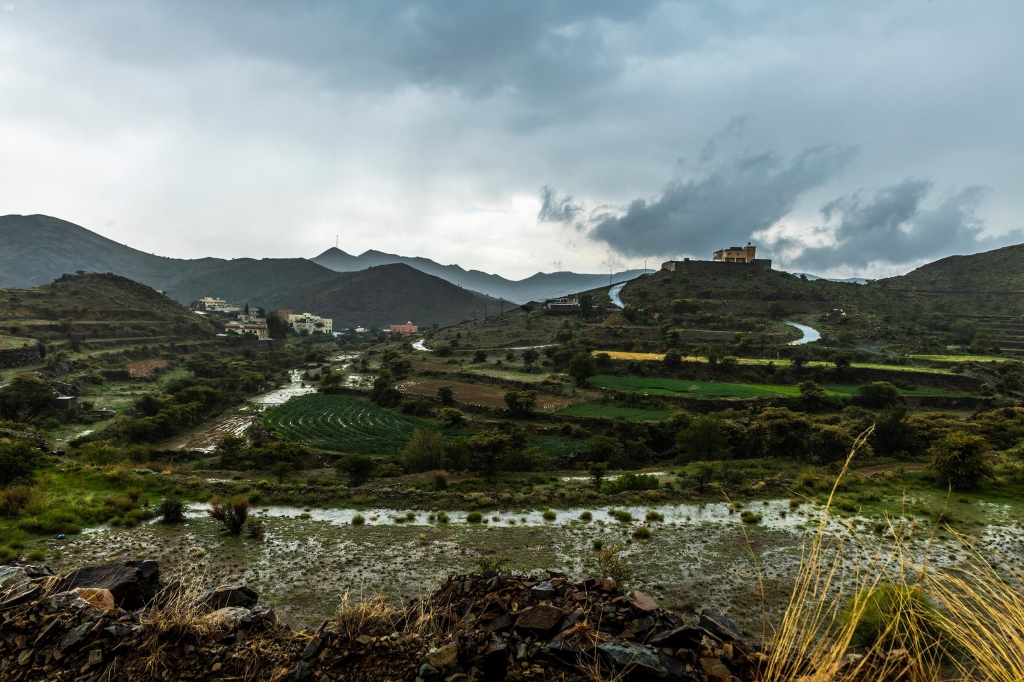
(736, 254)
(733, 260)
(309, 323)
(404, 329)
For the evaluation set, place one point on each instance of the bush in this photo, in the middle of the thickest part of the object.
(13, 500)
(642, 533)
(521, 403)
(254, 530)
(879, 395)
(171, 510)
(892, 615)
(18, 461)
(654, 516)
(231, 514)
(446, 395)
(358, 520)
(704, 439)
(630, 481)
(480, 356)
(424, 451)
(611, 565)
(449, 416)
(581, 368)
(598, 544)
(390, 470)
(747, 516)
(959, 459)
(440, 479)
(586, 516)
(620, 515)
(474, 517)
(358, 468)
(549, 515)
(442, 517)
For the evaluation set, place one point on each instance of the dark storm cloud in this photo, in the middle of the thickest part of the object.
(895, 226)
(556, 210)
(724, 205)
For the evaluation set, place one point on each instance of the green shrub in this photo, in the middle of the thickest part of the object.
(358, 520)
(654, 516)
(254, 530)
(892, 615)
(13, 500)
(171, 510)
(474, 517)
(549, 515)
(750, 517)
(231, 514)
(611, 565)
(586, 516)
(598, 544)
(19, 460)
(442, 517)
(620, 515)
(630, 481)
(424, 451)
(642, 533)
(390, 470)
(959, 460)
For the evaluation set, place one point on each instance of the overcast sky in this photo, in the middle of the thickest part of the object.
(843, 138)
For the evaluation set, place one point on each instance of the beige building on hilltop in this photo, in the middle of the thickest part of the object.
(736, 254)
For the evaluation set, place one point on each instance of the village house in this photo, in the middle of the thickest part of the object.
(566, 304)
(404, 329)
(736, 254)
(309, 323)
(218, 305)
(241, 327)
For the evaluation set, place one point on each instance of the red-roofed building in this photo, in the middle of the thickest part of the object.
(404, 329)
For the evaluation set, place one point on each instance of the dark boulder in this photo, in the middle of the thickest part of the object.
(132, 584)
(229, 595)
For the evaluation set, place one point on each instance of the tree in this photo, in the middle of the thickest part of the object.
(605, 450)
(704, 439)
(959, 459)
(581, 368)
(486, 449)
(705, 472)
(277, 327)
(233, 451)
(893, 434)
(530, 356)
(480, 356)
(586, 305)
(25, 398)
(521, 403)
(446, 395)
(813, 396)
(424, 451)
(597, 470)
(281, 470)
(673, 360)
(879, 395)
(19, 460)
(232, 514)
(358, 468)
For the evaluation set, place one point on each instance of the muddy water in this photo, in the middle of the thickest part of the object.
(699, 556)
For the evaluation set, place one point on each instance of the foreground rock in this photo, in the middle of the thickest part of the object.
(475, 627)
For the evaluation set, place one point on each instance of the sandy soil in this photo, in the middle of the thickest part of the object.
(478, 394)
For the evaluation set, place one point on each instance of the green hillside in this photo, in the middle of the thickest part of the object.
(38, 249)
(95, 308)
(987, 283)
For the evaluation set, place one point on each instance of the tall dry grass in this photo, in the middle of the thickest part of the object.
(814, 637)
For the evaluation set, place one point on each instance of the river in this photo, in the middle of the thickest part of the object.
(809, 334)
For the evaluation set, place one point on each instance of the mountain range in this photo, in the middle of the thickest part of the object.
(538, 287)
(36, 250)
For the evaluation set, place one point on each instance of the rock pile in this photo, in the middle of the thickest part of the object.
(115, 622)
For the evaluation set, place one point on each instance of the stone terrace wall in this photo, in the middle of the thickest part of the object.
(18, 357)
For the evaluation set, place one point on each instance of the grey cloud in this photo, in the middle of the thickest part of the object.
(894, 226)
(726, 204)
(555, 210)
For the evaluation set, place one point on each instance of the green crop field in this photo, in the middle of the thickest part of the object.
(697, 389)
(344, 424)
(614, 412)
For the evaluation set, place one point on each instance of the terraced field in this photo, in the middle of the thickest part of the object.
(343, 424)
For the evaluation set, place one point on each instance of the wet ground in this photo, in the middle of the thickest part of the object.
(697, 556)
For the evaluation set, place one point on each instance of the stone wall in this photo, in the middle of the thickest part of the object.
(710, 267)
(18, 357)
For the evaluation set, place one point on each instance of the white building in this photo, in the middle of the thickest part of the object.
(310, 323)
(219, 305)
(240, 328)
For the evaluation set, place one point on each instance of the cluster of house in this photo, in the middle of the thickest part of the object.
(244, 321)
